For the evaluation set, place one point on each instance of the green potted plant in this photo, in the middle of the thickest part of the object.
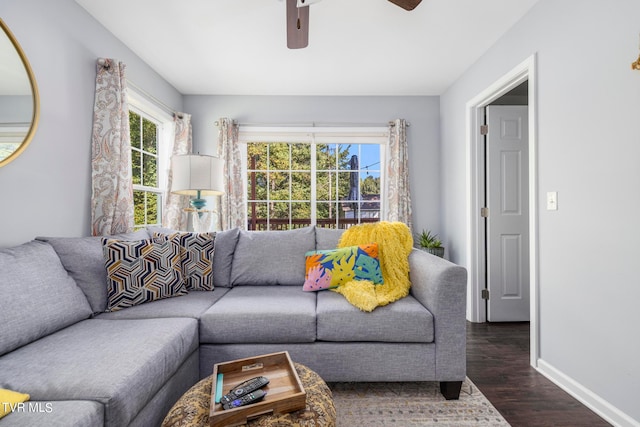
(430, 242)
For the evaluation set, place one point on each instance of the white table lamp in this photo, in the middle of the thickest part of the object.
(197, 175)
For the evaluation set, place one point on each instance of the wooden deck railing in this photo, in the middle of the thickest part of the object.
(287, 224)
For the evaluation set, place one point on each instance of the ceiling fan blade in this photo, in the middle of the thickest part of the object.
(406, 4)
(297, 25)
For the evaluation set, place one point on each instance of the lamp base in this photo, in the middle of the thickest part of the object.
(201, 219)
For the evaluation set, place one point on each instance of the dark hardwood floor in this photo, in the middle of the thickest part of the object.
(498, 364)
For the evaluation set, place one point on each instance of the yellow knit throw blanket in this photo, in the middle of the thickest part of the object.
(394, 245)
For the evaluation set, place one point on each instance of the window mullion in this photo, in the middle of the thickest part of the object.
(313, 200)
(336, 167)
(146, 188)
(358, 212)
(146, 208)
(141, 149)
(268, 178)
(290, 185)
(383, 178)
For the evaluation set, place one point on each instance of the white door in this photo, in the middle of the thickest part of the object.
(507, 195)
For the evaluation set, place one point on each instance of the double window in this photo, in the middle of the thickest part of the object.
(326, 177)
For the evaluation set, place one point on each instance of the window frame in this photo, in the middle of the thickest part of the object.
(147, 109)
(340, 135)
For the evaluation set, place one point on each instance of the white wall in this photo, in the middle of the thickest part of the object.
(423, 134)
(47, 189)
(588, 151)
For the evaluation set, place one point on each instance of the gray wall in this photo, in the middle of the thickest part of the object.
(423, 135)
(47, 189)
(588, 151)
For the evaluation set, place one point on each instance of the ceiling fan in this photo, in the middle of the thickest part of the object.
(298, 20)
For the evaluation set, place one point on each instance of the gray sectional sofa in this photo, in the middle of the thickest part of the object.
(83, 366)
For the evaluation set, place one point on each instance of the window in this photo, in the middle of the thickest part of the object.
(148, 135)
(318, 179)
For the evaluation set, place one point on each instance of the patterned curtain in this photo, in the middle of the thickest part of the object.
(173, 214)
(397, 181)
(112, 191)
(232, 211)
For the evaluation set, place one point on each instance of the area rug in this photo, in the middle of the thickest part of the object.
(407, 404)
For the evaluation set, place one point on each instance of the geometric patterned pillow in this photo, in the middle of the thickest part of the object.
(141, 271)
(197, 257)
(326, 269)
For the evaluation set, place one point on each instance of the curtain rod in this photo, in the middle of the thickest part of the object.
(153, 99)
(313, 124)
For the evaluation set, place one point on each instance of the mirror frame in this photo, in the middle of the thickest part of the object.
(34, 92)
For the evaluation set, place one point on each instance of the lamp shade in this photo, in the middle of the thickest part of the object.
(193, 173)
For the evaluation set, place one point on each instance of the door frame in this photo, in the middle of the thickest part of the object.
(476, 308)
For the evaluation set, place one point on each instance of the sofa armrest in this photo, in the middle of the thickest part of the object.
(441, 287)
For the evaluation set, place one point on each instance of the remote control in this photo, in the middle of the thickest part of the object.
(247, 399)
(244, 388)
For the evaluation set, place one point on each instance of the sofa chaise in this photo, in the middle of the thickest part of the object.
(84, 366)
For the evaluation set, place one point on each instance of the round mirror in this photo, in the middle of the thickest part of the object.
(19, 103)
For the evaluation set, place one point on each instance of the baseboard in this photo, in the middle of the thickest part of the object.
(606, 410)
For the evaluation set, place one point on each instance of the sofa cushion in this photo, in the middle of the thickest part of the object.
(327, 238)
(226, 242)
(196, 259)
(82, 257)
(119, 363)
(73, 413)
(38, 296)
(271, 257)
(142, 270)
(331, 268)
(406, 320)
(191, 305)
(261, 314)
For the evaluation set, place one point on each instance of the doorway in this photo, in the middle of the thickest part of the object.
(475, 108)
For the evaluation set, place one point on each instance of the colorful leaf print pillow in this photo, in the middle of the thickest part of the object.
(331, 268)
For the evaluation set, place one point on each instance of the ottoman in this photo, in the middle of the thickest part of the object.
(192, 410)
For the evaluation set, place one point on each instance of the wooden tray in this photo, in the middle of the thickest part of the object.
(285, 392)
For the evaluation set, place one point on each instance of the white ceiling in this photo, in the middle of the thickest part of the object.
(356, 47)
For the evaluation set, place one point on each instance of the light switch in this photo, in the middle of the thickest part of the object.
(552, 201)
